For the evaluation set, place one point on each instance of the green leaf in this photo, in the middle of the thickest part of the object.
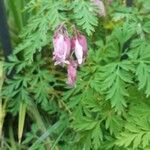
(143, 75)
(97, 137)
(116, 76)
(87, 16)
(21, 122)
(85, 124)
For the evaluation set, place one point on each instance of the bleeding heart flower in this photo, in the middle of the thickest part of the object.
(62, 47)
(78, 51)
(79, 45)
(72, 73)
(101, 7)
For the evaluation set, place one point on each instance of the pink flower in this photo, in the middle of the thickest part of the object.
(101, 7)
(62, 47)
(79, 44)
(72, 73)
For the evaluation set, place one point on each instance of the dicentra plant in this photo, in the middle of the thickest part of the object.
(108, 107)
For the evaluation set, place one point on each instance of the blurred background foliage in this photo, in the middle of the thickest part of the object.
(108, 109)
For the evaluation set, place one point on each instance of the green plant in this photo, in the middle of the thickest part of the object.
(109, 106)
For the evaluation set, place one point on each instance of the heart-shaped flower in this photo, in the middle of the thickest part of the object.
(62, 47)
(79, 45)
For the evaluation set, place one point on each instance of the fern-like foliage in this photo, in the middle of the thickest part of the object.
(46, 18)
(108, 109)
(137, 129)
(140, 56)
(116, 76)
(85, 15)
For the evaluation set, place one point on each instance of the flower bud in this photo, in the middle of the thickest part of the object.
(101, 7)
(62, 47)
(79, 44)
(72, 73)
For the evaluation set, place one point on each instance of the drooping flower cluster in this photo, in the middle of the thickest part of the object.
(69, 51)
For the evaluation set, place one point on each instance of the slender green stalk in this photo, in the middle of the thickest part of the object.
(22, 114)
(12, 140)
(34, 113)
(16, 13)
(2, 110)
(57, 140)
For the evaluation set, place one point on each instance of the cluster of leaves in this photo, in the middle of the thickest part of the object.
(109, 107)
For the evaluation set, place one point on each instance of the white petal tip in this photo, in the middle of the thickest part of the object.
(79, 61)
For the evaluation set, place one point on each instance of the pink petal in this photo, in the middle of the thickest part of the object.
(71, 74)
(67, 46)
(83, 42)
(73, 43)
(79, 52)
(62, 48)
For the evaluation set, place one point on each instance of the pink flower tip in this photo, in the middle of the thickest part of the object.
(72, 73)
(62, 47)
